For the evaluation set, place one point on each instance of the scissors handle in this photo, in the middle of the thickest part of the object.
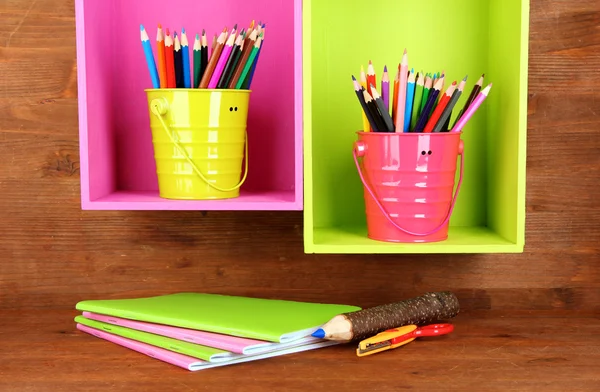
(434, 330)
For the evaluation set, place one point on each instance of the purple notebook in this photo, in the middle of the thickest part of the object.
(230, 343)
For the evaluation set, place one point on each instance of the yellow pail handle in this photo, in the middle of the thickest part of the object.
(159, 108)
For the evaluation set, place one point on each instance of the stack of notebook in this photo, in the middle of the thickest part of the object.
(198, 331)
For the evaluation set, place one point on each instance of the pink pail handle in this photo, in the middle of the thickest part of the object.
(359, 150)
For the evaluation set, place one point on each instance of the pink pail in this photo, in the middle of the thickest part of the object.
(408, 181)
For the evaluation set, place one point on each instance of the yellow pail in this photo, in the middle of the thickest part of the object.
(200, 141)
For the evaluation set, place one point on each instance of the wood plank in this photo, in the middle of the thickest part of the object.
(486, 352)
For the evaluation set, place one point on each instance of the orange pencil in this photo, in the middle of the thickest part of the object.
(170, 61)
(214, 57)
(435, 116)
(395, 99)
(162, 64)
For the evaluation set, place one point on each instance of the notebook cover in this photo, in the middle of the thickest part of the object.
(187, 362)
(205, 353)
(230, 343)
(254, 318)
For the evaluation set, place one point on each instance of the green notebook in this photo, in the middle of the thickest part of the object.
(199, 351)
(255, 318)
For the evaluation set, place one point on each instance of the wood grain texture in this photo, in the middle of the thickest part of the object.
(528, 321)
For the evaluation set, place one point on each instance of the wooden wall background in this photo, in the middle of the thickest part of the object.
(53, 254)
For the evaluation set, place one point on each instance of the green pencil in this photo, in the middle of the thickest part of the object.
(197, 61)
(419, 87)
(248, 64)
(426, 91)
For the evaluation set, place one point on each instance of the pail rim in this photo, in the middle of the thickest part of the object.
(438, 134)
(200, 90)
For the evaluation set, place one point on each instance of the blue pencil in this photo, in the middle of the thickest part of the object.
(185, 52)
(410, 96)
(149, 57)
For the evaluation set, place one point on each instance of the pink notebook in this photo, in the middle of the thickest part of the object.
(230, 343)
(190, 363)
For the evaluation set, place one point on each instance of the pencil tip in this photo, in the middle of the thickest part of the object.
(160, 26)
(404, 50)
(385, 68)
(466, 77)
(319, 333)
(353, 78)
(167, 31)
(142, 27)
(203, 32)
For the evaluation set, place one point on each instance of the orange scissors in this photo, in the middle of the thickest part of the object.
(397, 337)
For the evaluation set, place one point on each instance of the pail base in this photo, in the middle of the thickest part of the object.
(212, 197)
(415, 240)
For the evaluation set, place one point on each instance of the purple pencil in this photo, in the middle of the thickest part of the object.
(472, 109)
(385, 88)
(214, 80)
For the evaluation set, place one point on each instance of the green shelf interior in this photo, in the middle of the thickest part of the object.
(461, 37)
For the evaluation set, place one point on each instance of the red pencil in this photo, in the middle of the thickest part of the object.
(435, 116)
(371, 78)
(170, 60)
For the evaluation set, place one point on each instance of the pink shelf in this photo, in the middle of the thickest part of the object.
(116, 154)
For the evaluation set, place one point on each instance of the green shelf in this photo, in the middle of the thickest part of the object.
(461, 37)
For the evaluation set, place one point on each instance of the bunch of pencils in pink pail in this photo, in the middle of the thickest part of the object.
(418, 101)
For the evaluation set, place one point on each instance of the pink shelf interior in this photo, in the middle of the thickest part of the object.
(115, 139)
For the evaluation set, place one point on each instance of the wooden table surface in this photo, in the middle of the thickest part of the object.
(529, 321)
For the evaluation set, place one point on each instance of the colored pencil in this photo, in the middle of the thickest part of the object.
(385, 88)
(197, 61)
(204, 55)
(380, 126)
(420, 86)
(402, 93)
(443, 77)
(371, 77)
(249, 32)
(383, 111)
(233, 60)
(214, 44)
(214, 58)
(149, 57)
(249, 82)
(249, 62)
(170, 60)
(472, 109)
(162, 64)
(447, 112)
(426, 90)
(395, 96)
(410, 96)
(476, 89)
(243, 59)
(179, 74)
(431, 100)
(363, 83)
(223, 58)
(358, 89)
(185, 60)
(443, 102)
